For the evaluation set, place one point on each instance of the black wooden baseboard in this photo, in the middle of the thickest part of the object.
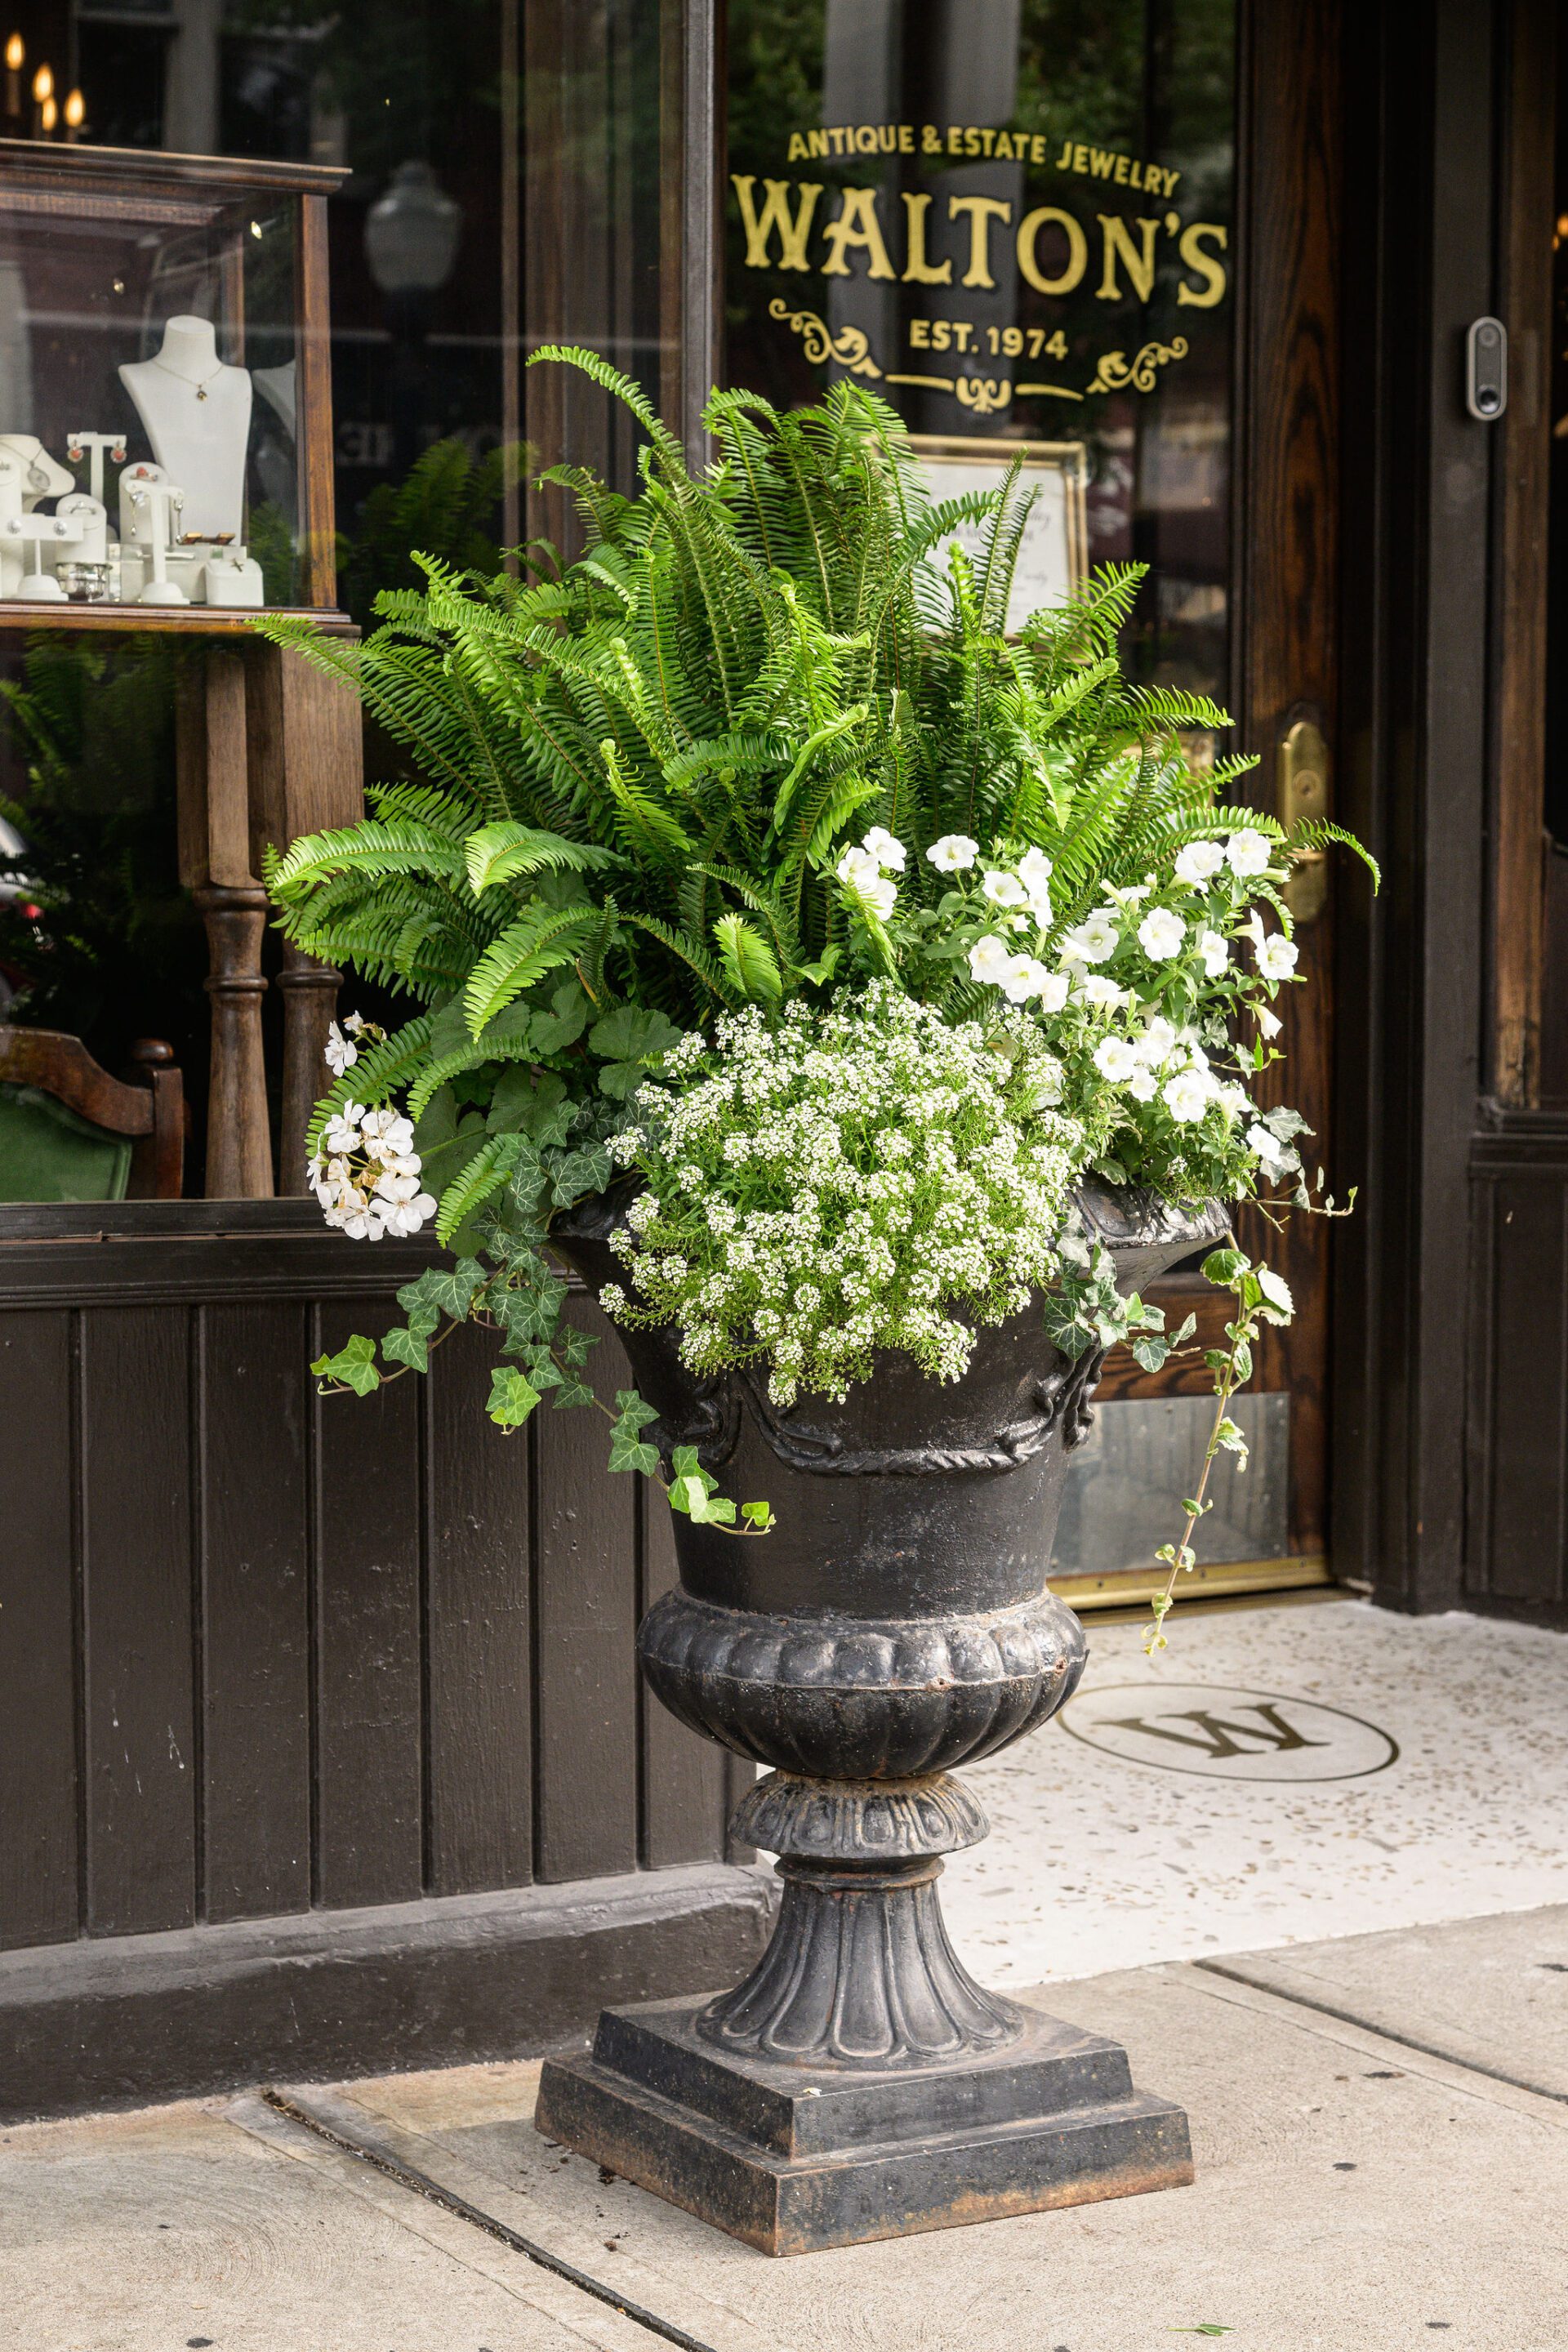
(123, 2022)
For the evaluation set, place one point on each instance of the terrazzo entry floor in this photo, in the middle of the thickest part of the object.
(1278, 1776)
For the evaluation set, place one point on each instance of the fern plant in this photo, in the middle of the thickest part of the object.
(640, 785)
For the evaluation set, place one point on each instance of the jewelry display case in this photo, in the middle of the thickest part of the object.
(166, 395)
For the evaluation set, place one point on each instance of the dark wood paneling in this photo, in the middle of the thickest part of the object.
(368, 1681)
(684, 1794)
(1288, 606)
(477, 1636)
(255, 1707)
(585, 1802)
(38, 1794)
(142, 1759)
(1517, 1454)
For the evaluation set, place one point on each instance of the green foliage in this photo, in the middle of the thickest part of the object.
(446, 506)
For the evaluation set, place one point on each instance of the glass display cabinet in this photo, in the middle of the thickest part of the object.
(166, 395)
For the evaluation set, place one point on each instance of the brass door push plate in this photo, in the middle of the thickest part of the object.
(1302, 779)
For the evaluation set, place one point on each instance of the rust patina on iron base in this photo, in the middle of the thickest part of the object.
(897, 1622)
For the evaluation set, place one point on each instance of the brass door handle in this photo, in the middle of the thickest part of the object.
(1302, 795)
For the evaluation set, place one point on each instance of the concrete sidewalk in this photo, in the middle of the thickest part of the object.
(1380, 2124)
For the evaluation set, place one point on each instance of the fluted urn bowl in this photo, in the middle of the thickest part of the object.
(896, 1623)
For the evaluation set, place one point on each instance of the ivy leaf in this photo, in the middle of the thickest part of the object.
(628, 1449)
(512, 1396)
(1151, 1351)
(442, 1290)
(759, 1516)
(404, 1345)
(588, 1171)
(354, 1365)
(571, 1393)
(692, 1490)
(1222, 1267)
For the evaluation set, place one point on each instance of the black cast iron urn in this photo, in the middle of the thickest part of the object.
(896, 1623)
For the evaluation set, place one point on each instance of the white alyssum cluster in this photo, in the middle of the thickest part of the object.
(843, 1181)
(366, 1174)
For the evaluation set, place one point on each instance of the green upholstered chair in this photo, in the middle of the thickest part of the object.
(70, 1132)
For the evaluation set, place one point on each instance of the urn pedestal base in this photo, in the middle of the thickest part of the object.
(860, 2084)
(795, 2158)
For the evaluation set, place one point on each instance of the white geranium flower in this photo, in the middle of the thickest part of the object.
(887, 849)
(988, 958)
(1214, 951)
(1097, 988)
(1115, 1059)
(1024, 977)
(1270, 1023)
(1004, 889)
(1277, 957)
(1186, 1096)
(1199, 862)
(338, 1053)
(1248, 852)
(1161, 934)
(1095, 938)
(1142, 1082)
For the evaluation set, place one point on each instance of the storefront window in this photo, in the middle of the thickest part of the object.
(491, 180)
(1011, 219)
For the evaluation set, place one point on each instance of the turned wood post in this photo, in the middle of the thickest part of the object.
(309, 991)
(215, 867)
(307, 773)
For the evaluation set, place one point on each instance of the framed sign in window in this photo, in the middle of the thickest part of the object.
(1053, 553)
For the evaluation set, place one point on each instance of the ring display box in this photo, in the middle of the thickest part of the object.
(166, 395)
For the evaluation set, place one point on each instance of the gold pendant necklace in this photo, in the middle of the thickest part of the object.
(200, 388)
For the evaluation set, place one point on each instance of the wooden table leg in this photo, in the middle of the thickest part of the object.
(310, 1006)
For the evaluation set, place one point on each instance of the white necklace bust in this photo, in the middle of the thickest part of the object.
(196, 413)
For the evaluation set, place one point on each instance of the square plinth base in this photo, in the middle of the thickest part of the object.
(795, 2158)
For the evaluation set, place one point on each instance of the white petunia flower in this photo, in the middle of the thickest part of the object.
(1097, 988)
(988, 958)
(1004, 889)
(1095, 938)
(1158, 1043)
(1200, 861)
(1248, 852)
(1053, 991)
(1115, 1059)
(887, 849)
(1186, 1096)
(338, 1053)
(857, 866)
(1142, 1083)
(1022, 978)
(1034, 874)
(954, 853)
(1277, 955)
(1270, 1023)
(1214, 951)
(881, 895)
(1268, 1148)
(1161, 934)
(1131, 893)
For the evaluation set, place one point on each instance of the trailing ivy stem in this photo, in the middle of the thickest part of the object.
(659, 1478)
